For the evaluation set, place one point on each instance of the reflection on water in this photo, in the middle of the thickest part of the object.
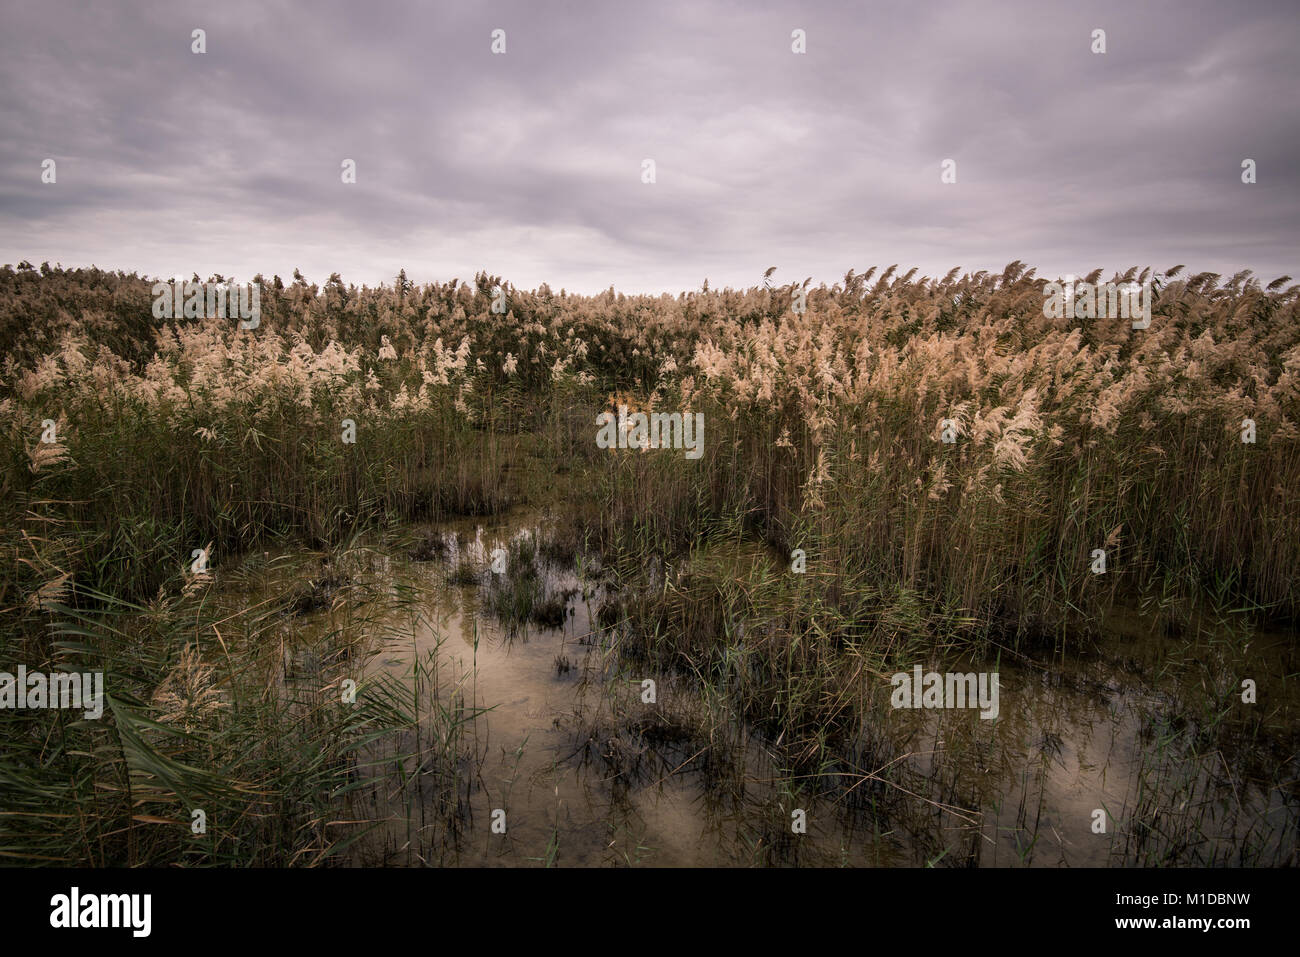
(1143, 733)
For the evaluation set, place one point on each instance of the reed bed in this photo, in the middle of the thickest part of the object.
(349, 408)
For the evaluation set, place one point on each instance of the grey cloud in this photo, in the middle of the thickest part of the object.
(528, 164)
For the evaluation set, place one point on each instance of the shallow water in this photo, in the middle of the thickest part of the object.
(1145, 732)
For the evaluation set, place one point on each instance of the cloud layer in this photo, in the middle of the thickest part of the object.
(528, 164)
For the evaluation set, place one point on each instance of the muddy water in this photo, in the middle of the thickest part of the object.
(1135, 749)
(1130, 748)
(545, 741)
(527, 680)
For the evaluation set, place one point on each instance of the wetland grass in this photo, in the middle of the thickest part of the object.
(823, 437)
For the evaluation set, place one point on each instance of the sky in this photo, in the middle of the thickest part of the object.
(529, 164)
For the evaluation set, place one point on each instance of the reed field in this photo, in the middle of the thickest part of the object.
(825, 537)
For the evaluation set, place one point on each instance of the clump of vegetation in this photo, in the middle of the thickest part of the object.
(212, 750)
(430, 547)
(550, 612)
(522, 592)
(465, 573)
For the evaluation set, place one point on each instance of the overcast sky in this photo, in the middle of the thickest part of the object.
(529, 164)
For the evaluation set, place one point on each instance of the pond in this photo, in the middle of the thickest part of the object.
(1136, 748)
